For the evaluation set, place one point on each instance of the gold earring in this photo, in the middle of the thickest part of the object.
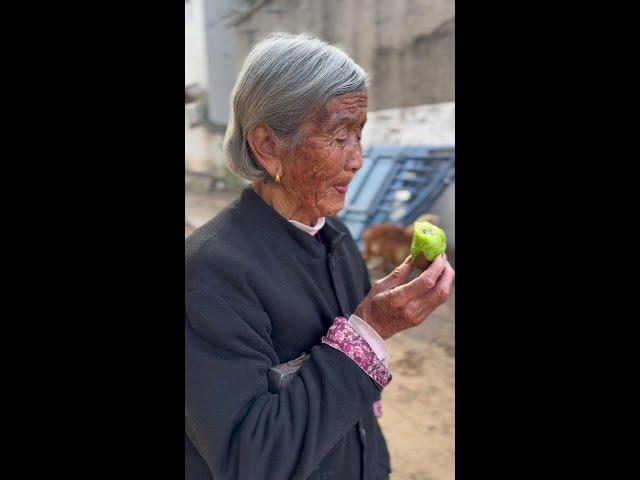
(277, 178)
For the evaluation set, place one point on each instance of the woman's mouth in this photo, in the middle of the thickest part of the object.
(342, 189)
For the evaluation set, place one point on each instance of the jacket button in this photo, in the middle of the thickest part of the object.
(363, 434)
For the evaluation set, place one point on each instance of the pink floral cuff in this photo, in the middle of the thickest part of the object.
(342, 336)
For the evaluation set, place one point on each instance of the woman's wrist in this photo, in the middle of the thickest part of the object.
(343, 337)
(364, 312)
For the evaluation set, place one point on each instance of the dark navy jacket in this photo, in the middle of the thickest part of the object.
(259, 292)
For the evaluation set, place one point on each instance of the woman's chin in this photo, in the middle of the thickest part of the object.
(331, 204)
(334, 209)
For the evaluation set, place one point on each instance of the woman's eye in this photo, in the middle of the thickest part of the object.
(341, 141)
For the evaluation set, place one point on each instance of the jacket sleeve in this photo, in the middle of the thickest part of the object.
(239, 428)
(366, 280)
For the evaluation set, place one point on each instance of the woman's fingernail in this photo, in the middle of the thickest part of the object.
(406, 260)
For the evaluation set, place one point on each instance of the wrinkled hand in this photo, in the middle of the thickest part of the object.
(392, 306)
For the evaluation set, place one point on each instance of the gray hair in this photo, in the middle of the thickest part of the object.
(283, 81)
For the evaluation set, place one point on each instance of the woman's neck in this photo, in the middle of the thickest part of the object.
(276, 198)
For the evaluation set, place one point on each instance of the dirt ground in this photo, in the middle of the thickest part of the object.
(418, 405)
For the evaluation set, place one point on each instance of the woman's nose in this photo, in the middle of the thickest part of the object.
(354, 158)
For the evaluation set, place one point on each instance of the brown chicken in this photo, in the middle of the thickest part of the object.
(387, 245)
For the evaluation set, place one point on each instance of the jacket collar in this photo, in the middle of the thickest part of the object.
(259, 215)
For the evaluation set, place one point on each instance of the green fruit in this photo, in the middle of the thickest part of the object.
(428, 241)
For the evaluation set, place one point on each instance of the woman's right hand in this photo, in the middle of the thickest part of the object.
(392, 306)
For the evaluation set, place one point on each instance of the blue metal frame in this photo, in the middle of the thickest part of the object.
(418, 173)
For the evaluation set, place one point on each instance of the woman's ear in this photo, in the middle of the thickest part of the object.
(264, 148)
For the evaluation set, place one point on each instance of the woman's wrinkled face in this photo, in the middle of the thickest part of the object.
(317, 174)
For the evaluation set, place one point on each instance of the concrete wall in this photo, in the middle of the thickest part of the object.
(406, 46)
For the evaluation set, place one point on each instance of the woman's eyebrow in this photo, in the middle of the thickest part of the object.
(345, 120)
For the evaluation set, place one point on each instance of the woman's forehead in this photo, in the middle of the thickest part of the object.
(347, 102)
(347, 108)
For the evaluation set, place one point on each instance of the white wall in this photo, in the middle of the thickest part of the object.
(434, 124)
(221, 56)
(203, 150)
(195, 65)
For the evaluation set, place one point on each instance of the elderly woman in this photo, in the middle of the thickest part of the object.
(276, 275)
